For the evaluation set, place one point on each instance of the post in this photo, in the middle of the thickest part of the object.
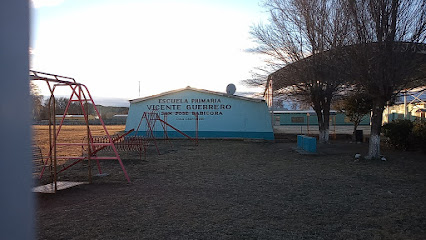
(89, 150)
(166, 136)
(196, 128)
(49, 107)
(16, 201)
(405, 105)
(54, 147)
(335, 135)
(387, 106)
(270, 100)
(307, 122)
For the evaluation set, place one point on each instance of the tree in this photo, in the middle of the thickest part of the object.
(386, 54)
(37, 100)
(356, 106)
(60, 105)
(74, 108)
(303, 36)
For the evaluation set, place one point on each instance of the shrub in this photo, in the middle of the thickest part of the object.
(399, 133)
(419, 134)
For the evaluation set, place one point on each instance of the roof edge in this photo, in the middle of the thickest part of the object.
(136, 100)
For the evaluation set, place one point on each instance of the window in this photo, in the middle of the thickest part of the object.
(297, 119)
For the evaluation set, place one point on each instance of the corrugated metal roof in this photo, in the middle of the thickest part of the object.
(195, 90)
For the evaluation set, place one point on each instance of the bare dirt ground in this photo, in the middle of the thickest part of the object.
(242, 190)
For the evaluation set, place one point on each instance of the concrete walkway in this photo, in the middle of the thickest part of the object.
(314, 129)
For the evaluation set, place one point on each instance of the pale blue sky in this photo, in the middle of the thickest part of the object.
(111, 45)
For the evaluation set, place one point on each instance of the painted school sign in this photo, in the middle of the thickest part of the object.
(219, 115)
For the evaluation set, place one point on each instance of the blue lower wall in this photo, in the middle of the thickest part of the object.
(211, 134)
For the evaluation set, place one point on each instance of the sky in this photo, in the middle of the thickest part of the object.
(113, 45)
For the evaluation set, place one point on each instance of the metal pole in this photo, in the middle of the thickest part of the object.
(272, 103)
(387, 106)
(307, 122)
(89, 150)
(55, 179)
(405, 105)
(18, 203)
(335, 136)
(196, 130)
(49, 157)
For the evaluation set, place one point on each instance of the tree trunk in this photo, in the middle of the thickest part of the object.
(376, 126)
(323, 125)
(354, 134)
(324, 135)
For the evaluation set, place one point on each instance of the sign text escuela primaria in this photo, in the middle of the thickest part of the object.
(181, 106)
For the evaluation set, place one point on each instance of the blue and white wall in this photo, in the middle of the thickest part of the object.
(219, 115)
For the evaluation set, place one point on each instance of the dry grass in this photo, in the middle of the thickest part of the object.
(69, 134)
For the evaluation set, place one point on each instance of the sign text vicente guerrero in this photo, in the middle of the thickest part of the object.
(183, 106)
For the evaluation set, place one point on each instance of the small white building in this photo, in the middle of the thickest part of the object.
(220, 115)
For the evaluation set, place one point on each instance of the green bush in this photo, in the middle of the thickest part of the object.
(419, 134)
(399, 133)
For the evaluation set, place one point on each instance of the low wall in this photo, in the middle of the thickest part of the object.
(81, 122)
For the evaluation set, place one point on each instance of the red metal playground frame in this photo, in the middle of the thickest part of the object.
(150, 123)
(79, 93)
